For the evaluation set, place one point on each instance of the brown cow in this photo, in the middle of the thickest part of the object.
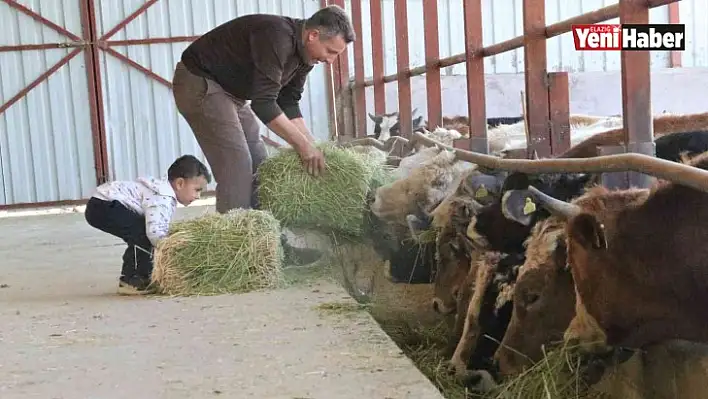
(486, 293)
(544, 294)
(449, 220)
(663, 124)
(641, 272)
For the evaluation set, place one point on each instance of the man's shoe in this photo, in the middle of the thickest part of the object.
(135, 285)
(298, 256)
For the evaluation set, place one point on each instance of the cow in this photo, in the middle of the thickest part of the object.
(388, 124)
(673, 146)
(544, 293)
(419, 192)
(473, 226)
(669, 146)
(663, 125)
(507, 139)
(490, 229)
(449, 221)
(486, 294)
(640, 272)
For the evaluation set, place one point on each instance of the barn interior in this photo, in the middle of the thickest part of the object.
(489, 102)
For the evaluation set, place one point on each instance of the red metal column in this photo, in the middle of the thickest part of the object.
(377, 55)
(674, 18)
(432, 57)
(636, 92)
(359, 73)
(340, 72)
(559, 108)
(403, 66)
(93, 74)
(536, 77)
(476, 95)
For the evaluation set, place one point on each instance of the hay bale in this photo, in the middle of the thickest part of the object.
(236, 252)
(334, 202)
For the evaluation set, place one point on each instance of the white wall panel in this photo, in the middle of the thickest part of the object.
(145, 131)
(46, 148)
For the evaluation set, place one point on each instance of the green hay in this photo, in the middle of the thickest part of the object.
(428, 236)
(556, 376)
(333, 202)
(240, 251)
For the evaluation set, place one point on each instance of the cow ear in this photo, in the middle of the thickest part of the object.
(588, 232)
(375, 118)
(417, 121)
(519, 206)
(580, 180)
(516, 181)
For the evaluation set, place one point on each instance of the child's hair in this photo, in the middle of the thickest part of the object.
(187, 167)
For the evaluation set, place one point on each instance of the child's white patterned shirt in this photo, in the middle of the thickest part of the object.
(153, 198)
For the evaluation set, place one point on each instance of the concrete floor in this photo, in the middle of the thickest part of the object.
(66, 334)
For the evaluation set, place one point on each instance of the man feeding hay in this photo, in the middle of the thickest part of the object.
(266, 59)
(139, 212)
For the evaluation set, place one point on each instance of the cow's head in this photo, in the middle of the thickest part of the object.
(497, 230)
(479, 188)
(544, 299)
(420, 191)
(388, 125)
(454, 255)
(587, 251)
(408, 261)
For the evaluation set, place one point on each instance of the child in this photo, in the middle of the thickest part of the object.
(139, 212)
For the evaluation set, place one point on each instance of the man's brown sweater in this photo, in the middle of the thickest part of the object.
(256, 57)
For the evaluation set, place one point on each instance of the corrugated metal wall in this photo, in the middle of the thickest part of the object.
(45, 139)
(46, 150)
(694, 13)
(503, 20)
(145, 133)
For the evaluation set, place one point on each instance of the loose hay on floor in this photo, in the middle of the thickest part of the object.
(237, 252)
(425, 346)
(557, 376)
(335, 201)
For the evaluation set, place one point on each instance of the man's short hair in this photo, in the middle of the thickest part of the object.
(332, 21)
(187, 167)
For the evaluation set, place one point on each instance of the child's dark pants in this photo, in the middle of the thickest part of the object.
(114, 218)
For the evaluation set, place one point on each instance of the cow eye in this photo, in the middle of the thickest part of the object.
(530, 298)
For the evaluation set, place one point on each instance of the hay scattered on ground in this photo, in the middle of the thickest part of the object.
(237, 252)
(345, 309)
(425, 346)
(335, 201)
(557, 376)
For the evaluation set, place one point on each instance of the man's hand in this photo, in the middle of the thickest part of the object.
(312, 159)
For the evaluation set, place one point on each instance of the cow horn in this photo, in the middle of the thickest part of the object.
(520, 205)
(366, 141)
(554, 205)
(675, 172)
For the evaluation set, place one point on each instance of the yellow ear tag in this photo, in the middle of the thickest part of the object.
(482, 192)
(529, 206)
